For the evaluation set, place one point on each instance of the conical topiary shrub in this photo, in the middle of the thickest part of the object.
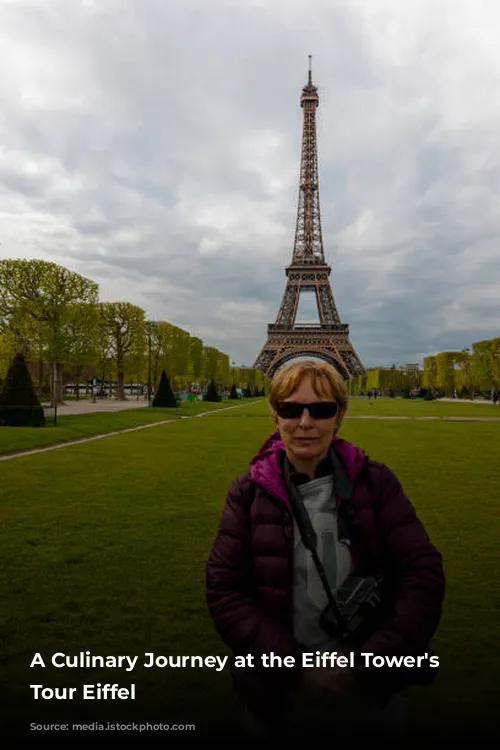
(164, 396)
(211, 394)
(19, 404)
(234, 392)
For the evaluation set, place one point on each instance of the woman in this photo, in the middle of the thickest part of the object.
(264, 589)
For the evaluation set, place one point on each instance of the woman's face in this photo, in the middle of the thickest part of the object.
(307, 440)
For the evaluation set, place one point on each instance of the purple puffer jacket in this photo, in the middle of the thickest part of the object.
(250, 573)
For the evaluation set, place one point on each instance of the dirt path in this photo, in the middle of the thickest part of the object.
(87, 406)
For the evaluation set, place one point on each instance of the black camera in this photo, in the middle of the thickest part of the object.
(355, 606)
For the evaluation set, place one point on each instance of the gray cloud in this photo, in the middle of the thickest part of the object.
(155, 148)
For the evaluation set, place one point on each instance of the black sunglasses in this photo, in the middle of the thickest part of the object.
(317, 410)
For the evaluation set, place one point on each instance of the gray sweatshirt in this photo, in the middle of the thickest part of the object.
(309, 596)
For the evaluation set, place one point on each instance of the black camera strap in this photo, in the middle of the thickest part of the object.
(343, 488)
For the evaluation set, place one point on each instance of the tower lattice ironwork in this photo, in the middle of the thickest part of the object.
(329, 338)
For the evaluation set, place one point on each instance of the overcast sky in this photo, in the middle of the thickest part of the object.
(154, 147)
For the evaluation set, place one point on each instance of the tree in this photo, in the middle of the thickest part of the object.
(81, 330)
(445, 371)
(482, 373)
(181, 349)
(211, 357)
(495, 362)
(251, 379)
(463, 381)
(123, 328)
(224, 370)
(104, 351)
(170, 350)
(19, 404)
(39, 292)
(164, 395)
(196, 359)
(429, 376)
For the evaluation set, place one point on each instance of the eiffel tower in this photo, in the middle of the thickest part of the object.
(308, 271)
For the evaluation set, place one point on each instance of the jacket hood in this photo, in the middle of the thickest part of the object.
(265, 467)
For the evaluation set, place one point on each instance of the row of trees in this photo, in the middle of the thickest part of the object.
(466, 373)
(53, 316)
(390, 381)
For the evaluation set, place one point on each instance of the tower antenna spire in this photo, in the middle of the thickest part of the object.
(310, 70)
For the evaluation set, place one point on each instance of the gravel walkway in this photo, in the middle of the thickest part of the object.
(87, 406)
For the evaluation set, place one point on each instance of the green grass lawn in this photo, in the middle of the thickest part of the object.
(103, 548)
(13, 439)
(77, 426)
(419, 408)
